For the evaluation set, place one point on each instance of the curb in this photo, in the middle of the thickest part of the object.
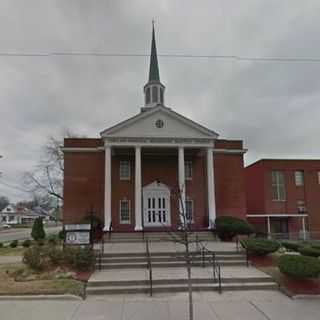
(306, 296)
(55, 297)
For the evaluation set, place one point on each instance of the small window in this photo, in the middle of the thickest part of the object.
(148, 95)
(299, 178)
(318, 177)
(189, 210)
(301, 206)
(154, 94)
(188, 170)
(124, 211)
(278, 186)
(124, 170)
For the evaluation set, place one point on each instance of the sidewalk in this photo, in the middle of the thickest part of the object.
(10, 259)
(255, 305)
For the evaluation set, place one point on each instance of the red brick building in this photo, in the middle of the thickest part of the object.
(130, 176)
(283, 196)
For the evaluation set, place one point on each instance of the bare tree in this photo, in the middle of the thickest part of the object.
(47, 177)
(183, 236)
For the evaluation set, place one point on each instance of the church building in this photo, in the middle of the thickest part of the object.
(140, 173)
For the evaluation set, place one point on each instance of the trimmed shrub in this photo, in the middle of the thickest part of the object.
(227, 227)
(26, 243)
(84, 259)
(310, 251)
(299, 266)
(290, 245)
(61, 234)
(1, 245)
(54, 254)
(34, 258)
(79, 259)
(260, 247)
(38, 232)
(14, 243)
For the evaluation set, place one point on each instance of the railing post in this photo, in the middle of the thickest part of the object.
(219, 279)
(202, 255)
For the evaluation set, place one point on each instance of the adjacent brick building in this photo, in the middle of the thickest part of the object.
(286, 193)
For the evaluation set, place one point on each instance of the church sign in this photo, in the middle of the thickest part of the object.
(77, 234)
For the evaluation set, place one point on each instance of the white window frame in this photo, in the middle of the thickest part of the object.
(192, 210)
(188, 163)
(122, 162)
(299, 178)
(278, 185)
(129, 211)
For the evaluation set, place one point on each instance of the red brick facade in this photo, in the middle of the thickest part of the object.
(84, 180)
(259, 192)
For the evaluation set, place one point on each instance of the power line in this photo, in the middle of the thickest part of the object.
(177, 56)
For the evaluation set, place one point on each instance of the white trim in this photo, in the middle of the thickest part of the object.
(211, 189)
(276, 215)
(232, 151)
(165, 110)
(138, 184)
(107, 189)
(129, 208)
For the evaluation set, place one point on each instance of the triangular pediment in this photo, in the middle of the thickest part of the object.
(159, 122)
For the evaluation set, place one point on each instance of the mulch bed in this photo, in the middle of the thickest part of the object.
(303, 286)
(262, 261)
(292, 286)
(83, 275)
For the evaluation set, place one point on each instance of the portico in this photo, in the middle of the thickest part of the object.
(164, 195)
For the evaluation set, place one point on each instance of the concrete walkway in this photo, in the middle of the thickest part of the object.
(10, 259)
(255, 305)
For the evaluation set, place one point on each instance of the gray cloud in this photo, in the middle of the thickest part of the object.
(274, 107)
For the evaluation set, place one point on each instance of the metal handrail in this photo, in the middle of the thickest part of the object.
(216, 266)
(110, 230)
(149, 266)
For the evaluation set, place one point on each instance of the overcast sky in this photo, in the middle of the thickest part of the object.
(272, 106)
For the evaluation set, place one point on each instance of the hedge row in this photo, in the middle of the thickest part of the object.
(260, 247)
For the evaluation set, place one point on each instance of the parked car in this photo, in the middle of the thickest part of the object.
(5, 226)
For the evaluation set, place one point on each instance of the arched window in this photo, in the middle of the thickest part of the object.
(148, 96)
(154, 94)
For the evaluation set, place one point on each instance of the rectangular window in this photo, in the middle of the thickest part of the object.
(299, 178)
(188, 170)
(318, 177)
(124, 170)
(278, 186)
(301, 206)
(189, 210)
(124, 211)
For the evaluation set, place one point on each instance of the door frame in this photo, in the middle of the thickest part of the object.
(156, 190)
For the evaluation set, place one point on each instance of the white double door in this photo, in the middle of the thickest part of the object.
(156, 205)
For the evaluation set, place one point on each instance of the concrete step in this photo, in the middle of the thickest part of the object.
(139, 265)
(169, 253)
(169, 259)
(129, 283)
(163, 288)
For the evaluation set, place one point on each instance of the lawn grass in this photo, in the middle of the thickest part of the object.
(8, 251)
(8, 286)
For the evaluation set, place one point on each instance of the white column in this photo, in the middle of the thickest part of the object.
(304, 235)
(138, 211)
(181, 177)
(268, 227)
(107, 189)
(211, 189)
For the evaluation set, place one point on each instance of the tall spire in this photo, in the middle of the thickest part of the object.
(154, 68)
(154, 89)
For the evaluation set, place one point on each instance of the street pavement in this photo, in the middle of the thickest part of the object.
(238, 305)
(7, 235)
